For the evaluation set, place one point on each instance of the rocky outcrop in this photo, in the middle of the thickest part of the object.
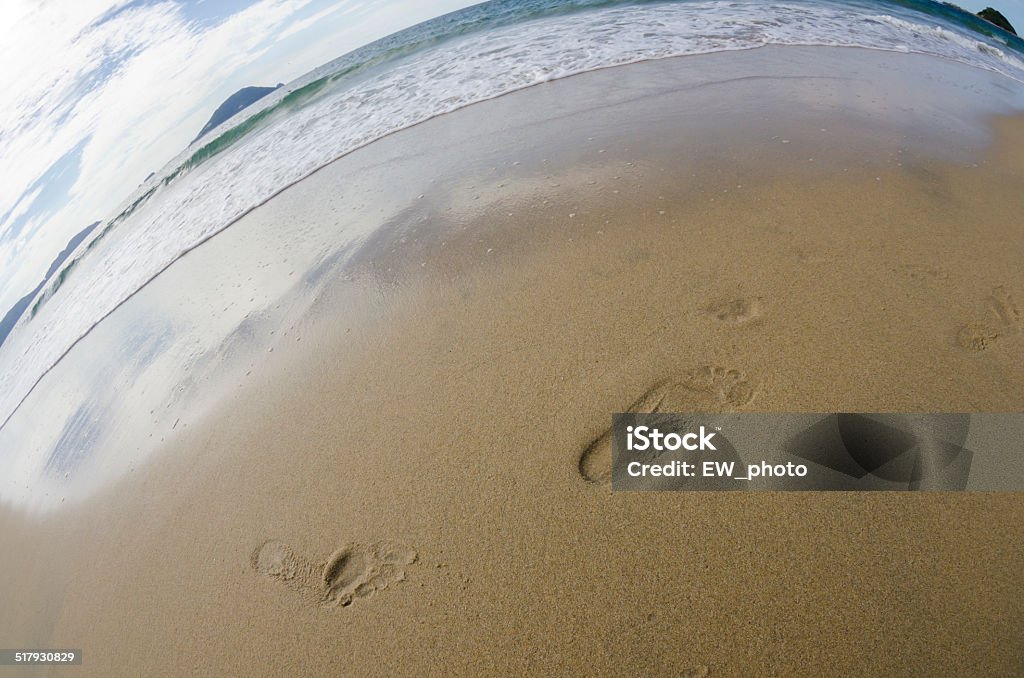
(244, 97)
(995, 17)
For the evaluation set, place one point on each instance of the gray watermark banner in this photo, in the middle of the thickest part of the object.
(824, 451)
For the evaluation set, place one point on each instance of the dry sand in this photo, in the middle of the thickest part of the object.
(403, 496)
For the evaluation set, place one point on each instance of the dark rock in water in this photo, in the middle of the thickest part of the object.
(995, 17)
(244, 97)
(16, 311)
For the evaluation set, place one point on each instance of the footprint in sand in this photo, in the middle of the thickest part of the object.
(923, 272)
(735, 311)
(353, 571)
(976, 336)
(1004, 317)
(1003, 307)
(706, 389)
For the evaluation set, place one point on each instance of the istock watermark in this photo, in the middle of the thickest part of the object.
(824, 451)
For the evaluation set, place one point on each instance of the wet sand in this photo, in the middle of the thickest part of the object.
(396, 489)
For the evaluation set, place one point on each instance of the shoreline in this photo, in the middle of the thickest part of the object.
(994, 74)
(457, 314)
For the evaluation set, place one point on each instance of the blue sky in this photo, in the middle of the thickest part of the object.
(96, 94)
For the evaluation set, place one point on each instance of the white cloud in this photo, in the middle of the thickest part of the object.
(131, 84)
(310, 21)
(139, 86)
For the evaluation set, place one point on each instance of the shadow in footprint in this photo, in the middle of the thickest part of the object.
(735, 311)
(353, 571)
(357, 571)
(707, 389)
(1004, 319)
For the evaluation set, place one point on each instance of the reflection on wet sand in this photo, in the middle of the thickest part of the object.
(181, 345)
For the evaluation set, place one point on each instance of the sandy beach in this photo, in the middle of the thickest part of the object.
(381, 474)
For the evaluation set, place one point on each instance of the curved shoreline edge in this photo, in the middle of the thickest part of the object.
(282, 189)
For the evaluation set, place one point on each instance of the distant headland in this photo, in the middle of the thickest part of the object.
(244, 97)
(994, 16)
(9, 320)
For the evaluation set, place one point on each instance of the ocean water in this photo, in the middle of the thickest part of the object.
(437, 67)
